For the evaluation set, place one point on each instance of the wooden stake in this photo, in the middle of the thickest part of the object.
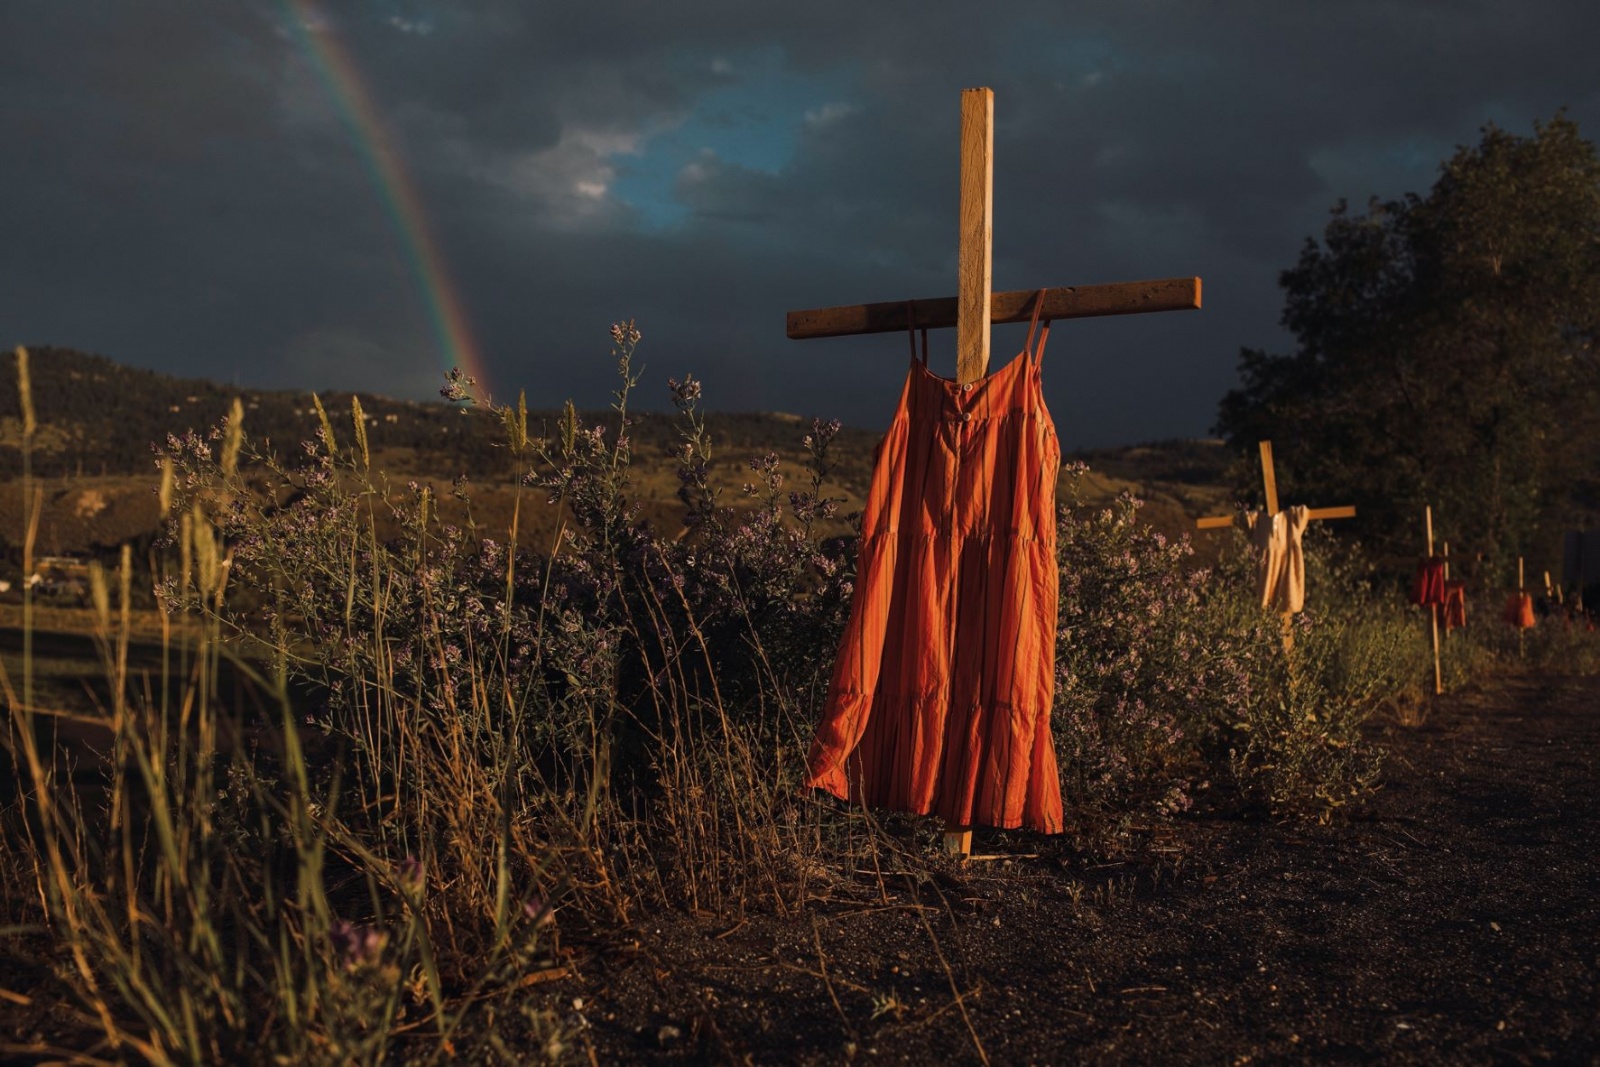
(974, 280)
(974, 273)
(1433, 609)
(1269, 476)
(1521, 635)
(1444, 547)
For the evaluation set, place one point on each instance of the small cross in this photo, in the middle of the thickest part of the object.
(1269, 478)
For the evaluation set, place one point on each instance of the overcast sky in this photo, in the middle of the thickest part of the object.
(360, 194)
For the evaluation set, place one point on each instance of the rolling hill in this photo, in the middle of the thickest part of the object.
(94, 457)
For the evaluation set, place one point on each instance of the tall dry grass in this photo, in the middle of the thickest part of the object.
(455, 766)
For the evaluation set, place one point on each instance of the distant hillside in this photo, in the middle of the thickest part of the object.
(98, 420)
(100, 417)
(1182, 461)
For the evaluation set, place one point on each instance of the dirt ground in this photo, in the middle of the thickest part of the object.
(1453, 920)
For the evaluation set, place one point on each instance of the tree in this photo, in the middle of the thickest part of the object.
(1446, 353)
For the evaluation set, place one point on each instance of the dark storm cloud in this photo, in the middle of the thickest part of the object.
(181, 192)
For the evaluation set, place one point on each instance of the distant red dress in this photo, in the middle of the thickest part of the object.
(941, 693)
(1519, 611)
(1428, 588)
(1455, 604)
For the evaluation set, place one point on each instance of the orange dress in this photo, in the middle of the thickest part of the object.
(1455, 604)
(940, 696)
(1519, 611)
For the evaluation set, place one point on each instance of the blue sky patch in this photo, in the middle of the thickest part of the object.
(752, 119)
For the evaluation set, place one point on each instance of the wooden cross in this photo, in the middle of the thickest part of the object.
(1269, 478)
(975, 307)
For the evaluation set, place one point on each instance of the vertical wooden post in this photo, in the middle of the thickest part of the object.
(1438, 676)
(1270, 478)
(1521, 634)
(1444, 547)
(975, 266)
(974, 280)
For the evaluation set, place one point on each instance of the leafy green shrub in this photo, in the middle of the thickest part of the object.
(1299, 748)
(1562, 644)
(1467, 657)
(1144, 662)
(1168, 675)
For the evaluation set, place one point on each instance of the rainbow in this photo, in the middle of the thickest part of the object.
(337, 68)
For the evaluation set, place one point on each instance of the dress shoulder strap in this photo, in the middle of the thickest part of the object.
(911, 335)
(1035, 349)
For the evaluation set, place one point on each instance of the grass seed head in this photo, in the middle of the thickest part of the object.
(359, 419)
(100, 593)
(25, 390)
(205, 552)
(233, 440)
(166, 484)
(327, 426)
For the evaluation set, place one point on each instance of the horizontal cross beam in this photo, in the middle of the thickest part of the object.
(1067, 302)
(1217, 522)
